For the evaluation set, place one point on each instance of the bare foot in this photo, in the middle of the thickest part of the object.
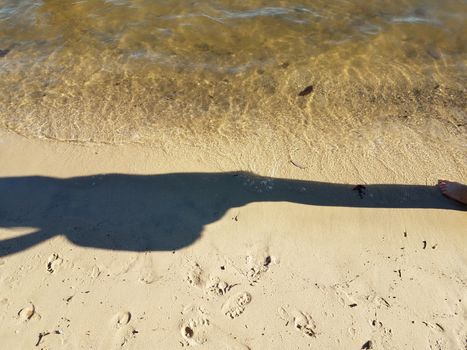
(453, 190)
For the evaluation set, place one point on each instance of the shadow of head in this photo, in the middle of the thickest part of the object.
(168, 211)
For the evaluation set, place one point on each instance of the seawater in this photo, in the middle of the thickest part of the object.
(123, 71)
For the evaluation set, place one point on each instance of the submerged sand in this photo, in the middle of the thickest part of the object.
(178, 251)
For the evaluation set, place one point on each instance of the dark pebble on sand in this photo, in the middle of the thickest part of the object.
(188, 332)
(368, 345)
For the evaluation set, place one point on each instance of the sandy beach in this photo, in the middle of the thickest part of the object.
(232, 175)
(133, 247)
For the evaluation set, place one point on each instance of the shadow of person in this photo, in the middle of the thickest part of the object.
(168, 211)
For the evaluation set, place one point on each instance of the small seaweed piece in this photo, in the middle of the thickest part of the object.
(306, 91)
(297, 165)
(41, 335)
(361, 189)
(385, 302)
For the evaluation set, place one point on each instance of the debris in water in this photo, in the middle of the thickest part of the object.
(433, 52)
(306, 91)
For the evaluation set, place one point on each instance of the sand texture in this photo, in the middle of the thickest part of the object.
(131, 247)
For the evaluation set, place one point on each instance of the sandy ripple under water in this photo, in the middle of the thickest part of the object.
(170, 72)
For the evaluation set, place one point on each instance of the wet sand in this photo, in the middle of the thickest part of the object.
(109, 247)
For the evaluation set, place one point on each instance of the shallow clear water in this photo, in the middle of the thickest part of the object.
(140, 70)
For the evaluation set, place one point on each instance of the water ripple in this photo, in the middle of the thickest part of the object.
(124, 70)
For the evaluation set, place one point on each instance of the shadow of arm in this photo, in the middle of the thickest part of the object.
(20, 243)
(357, 196)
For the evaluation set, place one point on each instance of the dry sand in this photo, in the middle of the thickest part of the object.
(179, 251)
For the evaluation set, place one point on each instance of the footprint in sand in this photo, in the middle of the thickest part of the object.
(211, 285)
(147, 275)
(236, 304)
(214, 286)
(193, 277)
(257, 266)
(120, 333)
(300, 320)
(53, 263)
(28, 312)
(194, 331)
(140, 268)
(95, 272)
(198, 330)
(122, 318)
